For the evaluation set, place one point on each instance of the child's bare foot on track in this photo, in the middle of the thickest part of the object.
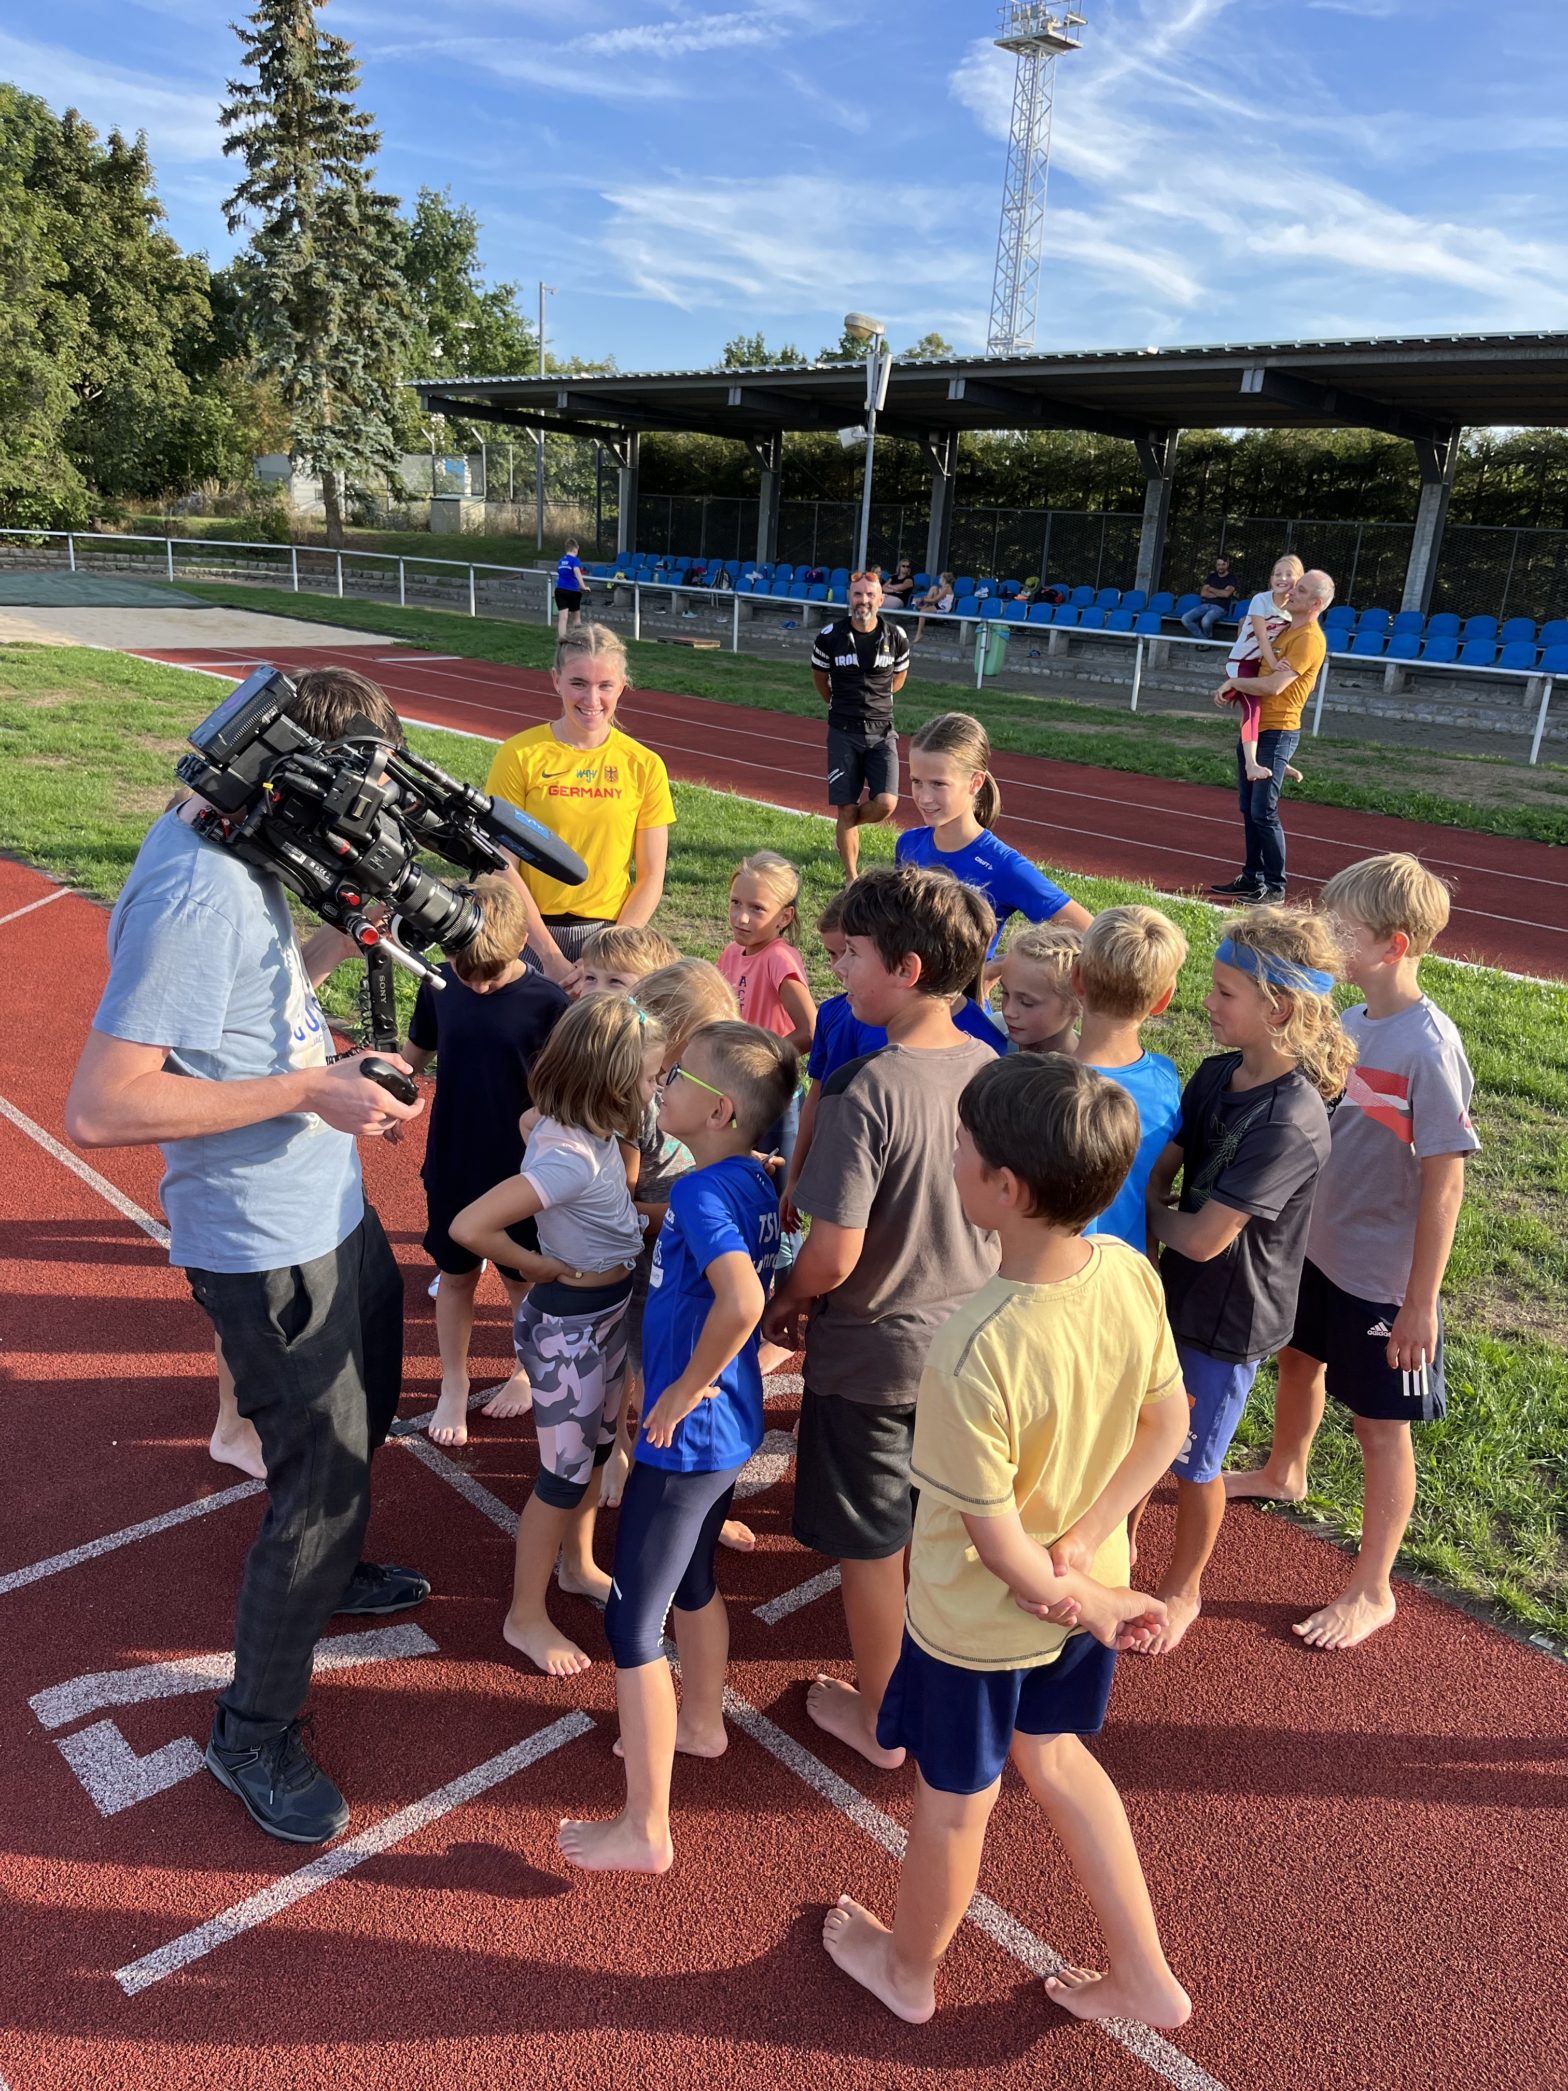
(514, 1397)
(545, 1646)
(579, 1581)
(739, 1537)
(612, 1847)
(1256, 772)
(692, 1739)
(1293, 773)
(449, 1424)
(839, 1710)
(1180, 1612)
(862, 1946)
(240, 1447)
(1087, 1994)
(772, 1357)
(1348, 1620)
(1258, 1485)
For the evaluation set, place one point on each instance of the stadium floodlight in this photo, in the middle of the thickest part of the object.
(1036, 36)
(860, 326)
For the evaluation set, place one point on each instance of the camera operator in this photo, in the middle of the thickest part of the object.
(210, 1043)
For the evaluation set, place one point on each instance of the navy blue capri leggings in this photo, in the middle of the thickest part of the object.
(665, 1540)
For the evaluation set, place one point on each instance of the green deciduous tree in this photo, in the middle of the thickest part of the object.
(751, 352)
(331, 313)
(930, 348)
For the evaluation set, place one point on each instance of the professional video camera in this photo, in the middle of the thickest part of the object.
(342, 823)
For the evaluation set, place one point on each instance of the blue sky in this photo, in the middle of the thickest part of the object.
(1236, 170)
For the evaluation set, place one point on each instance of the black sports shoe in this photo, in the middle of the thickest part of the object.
(1238, 888)
(1269, 896)
(283, 1789)
(376, 1588)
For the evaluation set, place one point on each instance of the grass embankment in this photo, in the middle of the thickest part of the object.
(1492, 796)
(87, 743)
(494, 548)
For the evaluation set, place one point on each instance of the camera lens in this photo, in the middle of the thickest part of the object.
(435, 910)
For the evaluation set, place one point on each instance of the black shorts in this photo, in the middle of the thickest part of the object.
(853, 1499)
(856, 765)
(568, 598)
(1350, 1337)
(454, 1260)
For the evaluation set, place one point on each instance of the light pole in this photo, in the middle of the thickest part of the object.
(546, 290)
(879, 362)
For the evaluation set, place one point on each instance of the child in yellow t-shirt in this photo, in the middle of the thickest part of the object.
(1051, 1403)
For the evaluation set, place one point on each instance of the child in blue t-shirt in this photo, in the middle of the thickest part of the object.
(1126, 972)
(571, 584)
(702, 1421)
(950, 782)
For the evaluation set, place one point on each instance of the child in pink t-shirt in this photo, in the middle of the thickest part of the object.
(762, 964)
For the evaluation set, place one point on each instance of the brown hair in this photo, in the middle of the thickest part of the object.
(832, 916)
(502, 931)
(967, 742)
(681, 998)
(589, 1070)
(1129, 958)
(905, 912)
(327, 701)
(756, 1069)
(1068, 1134)
(1310, 1030)
(1390, 894)
(593, 641)
(780, 880)
(626, 947)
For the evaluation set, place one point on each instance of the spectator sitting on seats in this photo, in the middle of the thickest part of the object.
(812, 575)
(1218, 594)
(939, 597)
(898, 591)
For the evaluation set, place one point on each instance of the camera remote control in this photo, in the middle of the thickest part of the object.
(390, 1078)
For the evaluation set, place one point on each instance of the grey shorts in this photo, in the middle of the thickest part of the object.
(853, 1499)
(856, 765)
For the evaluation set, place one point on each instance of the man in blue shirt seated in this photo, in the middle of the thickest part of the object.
(1219, 593)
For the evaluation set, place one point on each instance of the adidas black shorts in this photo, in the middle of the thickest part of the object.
(1349, 1336)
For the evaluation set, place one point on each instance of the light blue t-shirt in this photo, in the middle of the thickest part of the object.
(1155, 1087)
(203, 959)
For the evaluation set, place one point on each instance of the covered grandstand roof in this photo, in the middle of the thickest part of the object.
(1421, 387)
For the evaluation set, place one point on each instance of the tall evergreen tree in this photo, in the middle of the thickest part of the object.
(332, 317)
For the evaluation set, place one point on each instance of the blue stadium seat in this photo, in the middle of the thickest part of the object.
(1093, 620)
(1041, 613)
(1162, 602)
(922, 580)
(1148, 621)
(1478, 653)
(1339, 616)
(1108, 599)
(1120, 620)
(1375, 621)
(1367, 646)
(1554, 661)
(1009, 589)
(1340, 639)
(964, 585)
(1067, 613)
(1554, 632)
(990, 606)
(1443, 625)
(1515, 629)
(1408, 621)
(1135, 599)
(798, 591)
(817, 592)
(1518, 653)
(839, 578)
(1404, 646)
(1441, 648)
(783, 571)
(1082, 598)
(986, 585)
(746, 586)
(1479, 628)
(1018, 613)
(1184, 603)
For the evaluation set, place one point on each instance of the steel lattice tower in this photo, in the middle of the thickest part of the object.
(1037, 36)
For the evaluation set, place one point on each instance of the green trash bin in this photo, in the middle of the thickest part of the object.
(991, 646)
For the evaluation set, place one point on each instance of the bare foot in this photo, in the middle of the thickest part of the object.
(590, 1582)
(1258, 1484)
(692, 1738)
(1180, 1612)
(545, 1647)
(1256, 774)
(1347, 1621)
(1088, 1994)
(771, 1356)
(732, 1533)
(612, 1847)
(838, 1708)
(616, 1469)
(240, 1447)
(862, 1946)
(514, 1397)
(1292, 773)
(448, 1423)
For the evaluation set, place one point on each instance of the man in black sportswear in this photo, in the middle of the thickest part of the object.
(858, 664)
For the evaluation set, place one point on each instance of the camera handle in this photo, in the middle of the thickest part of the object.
(378, 1003)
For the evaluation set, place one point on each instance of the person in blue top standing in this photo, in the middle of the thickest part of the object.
(951, 784)
(571, 585)
(702, 1421)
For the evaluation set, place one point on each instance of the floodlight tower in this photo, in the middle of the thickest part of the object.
(1037, 36)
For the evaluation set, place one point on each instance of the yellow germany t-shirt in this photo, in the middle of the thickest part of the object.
(1029, 1401)
(595, 799)
(1303, 647)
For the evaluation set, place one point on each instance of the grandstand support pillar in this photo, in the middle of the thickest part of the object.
(1437, 460)
(941, 446)
(769, 452)
(1157, 455)
(625, 449)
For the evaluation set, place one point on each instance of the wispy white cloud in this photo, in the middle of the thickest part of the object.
(678, 39)
(181, 120)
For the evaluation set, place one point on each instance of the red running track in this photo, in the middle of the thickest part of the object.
(1510, 897)
(1357, 1860)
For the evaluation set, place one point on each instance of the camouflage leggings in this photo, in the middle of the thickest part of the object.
(572, 1345)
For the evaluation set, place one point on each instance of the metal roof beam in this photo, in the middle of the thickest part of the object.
(631, 413)
(1307, 396)
(1039, 410)
(792, 406)
(438, 402)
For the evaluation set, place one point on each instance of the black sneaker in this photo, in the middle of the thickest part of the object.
(1269, 896)
(283, 1789)
(376, 1588)
(1238, 888)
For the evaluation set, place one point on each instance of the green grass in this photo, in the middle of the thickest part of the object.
(87, 742)
(492, 548)
(1479, 792)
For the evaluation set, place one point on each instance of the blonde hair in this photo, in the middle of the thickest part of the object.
(1311, 1032)
(1290, 560)
(779, 880)
(1130, 957)
(595, 641)
(683, 997)
(588, 1074)
(1052, 949)
(1388, 894)
(502, 931)
(756, 1069)
(964, 739)
(625, 947)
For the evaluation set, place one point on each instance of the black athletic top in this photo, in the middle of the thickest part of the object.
(861, 668)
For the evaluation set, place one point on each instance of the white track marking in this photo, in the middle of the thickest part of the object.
(49, 899)
(500, 1514)
(148, 1528)
(115, 1777)
(795, 1600)
(767, 1466)
(101, 1184)
(332, 1865)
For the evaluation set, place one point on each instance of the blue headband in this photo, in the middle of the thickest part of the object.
(1278, 972)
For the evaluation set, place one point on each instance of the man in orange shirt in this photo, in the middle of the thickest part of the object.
(1299, 649)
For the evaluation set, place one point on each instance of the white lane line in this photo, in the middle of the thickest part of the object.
(404, 660)
(101, 1184)
(500, 1514)
(49, 899)
(1004, 1930)
(795, 1600)
(148, 1528)
(318, 1873)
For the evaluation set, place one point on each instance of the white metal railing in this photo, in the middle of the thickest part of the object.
(1056, 636)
